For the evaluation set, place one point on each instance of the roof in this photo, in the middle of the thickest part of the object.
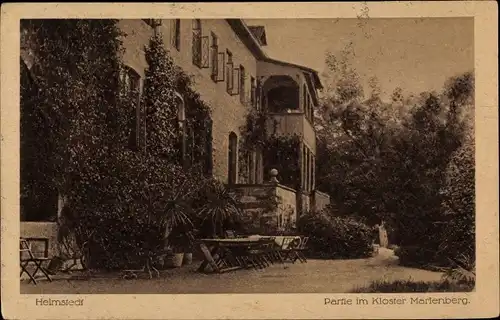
(260, 33)
(253, 44)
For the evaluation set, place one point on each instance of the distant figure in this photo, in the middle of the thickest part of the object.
(382, 234)
(375, 234)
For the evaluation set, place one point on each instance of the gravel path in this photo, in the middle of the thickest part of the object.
(315, 276)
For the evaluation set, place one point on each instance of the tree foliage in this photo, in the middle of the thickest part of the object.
(390, 160)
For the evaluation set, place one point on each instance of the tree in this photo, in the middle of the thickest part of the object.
(391, 154)
(458, 204)
(159, 99)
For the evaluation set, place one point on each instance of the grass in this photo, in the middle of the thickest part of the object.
(405, 286)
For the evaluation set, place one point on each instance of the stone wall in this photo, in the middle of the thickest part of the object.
(287, 207)
(266, 208)
(40, 230)
(228, 113)
(320, 200)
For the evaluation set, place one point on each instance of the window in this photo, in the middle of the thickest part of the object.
(311, 112)
(242, 77)
(217, 60)
(208, 167)
(258, 95)
(233, 76)
(200, 46)
(197, 42)
(229, 72)
(175, 36)
(153, 23)
(253, 92)
(304, 98)
(130, 91)
(232, 173)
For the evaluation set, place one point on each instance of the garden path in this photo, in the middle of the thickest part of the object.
(316, 276)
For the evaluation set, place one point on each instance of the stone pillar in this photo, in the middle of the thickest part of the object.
(313, 187)
(306, 169)
(309, 170)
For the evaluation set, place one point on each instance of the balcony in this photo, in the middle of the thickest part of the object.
(288, 124)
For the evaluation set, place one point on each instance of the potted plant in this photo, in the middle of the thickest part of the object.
(177, 242)
(218, 206)
(188, 250)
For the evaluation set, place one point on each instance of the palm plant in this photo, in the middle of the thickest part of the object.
(217, 207)
(174, 213)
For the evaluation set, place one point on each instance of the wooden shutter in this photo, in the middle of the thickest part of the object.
(252, 92)
(242, 83)
(221, 63)
(173, 31)
(236, 84)
(205, 52)
(215, 63)
(196, 49)
(230, 78)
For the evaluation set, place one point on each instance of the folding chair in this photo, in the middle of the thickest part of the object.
(230, 234)
(299, 251)
(288, 248)
(25, 249)
(271, 252)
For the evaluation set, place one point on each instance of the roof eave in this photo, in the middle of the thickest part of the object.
(253, 45)
(248, 38)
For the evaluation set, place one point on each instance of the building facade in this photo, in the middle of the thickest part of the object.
(234, 75)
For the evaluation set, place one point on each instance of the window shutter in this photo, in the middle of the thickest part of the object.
(205, 52)
(221, 62)
(230, 78)
(236, 84)
(242, 84)
(196, 49)
(173, 25)
(215, 63)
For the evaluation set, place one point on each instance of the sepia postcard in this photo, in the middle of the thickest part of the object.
(329, 160)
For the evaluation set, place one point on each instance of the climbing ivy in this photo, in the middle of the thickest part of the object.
(282, 153)
(279, 151)
(118, 200)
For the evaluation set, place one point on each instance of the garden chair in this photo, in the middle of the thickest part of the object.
(300, 250)
(226, 259)
(27, 257)
(288, 248)
(250, 257)
(230, 234)
(271, 251)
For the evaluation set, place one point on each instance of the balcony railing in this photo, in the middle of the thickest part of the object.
(287, 124)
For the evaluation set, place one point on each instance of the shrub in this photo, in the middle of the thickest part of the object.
(415, 256)
(336, 237)
(401, 286)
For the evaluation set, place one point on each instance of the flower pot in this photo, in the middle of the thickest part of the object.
(188, 258)
(175, 260)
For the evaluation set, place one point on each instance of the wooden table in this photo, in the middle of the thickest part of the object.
(212, 250)
(278, 239)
